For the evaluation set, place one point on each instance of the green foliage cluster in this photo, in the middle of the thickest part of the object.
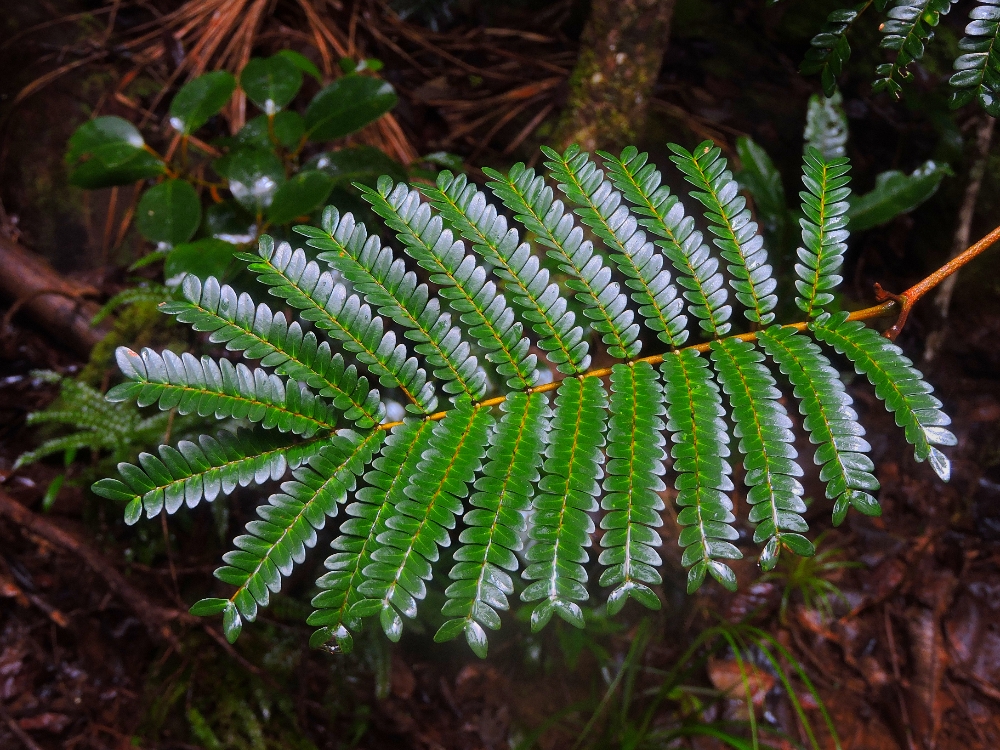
(269, 174)
(907, 29)
(895, 192)
(528, 490)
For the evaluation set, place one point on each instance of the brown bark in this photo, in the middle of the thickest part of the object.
(620, 56)
(53, 302)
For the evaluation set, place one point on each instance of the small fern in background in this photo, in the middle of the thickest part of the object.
(98, 425)
(528, 490)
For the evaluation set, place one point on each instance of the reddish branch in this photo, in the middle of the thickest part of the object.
(907, 299)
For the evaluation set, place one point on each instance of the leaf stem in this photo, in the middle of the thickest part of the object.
(900, 304)
(908, 299)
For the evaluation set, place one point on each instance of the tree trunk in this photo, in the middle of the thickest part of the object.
(620, 55)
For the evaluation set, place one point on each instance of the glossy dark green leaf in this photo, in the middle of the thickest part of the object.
(209, 607)
(109, 151)
(169, 212)
(202, 258)
(350, 65)
(228, 221)
(364, 164)
(347, 105)
(254, 176)
(111, 140)
(286, 129)
(232, 623)
(271, 83)
(299, 196)
(445, 159)
(200, 99)
(895, 193)
(301, 62)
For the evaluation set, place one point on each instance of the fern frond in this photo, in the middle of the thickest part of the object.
(824, 230)
(697, 269)
(730, 220)
(144, 293)
(206, 469)
(258, 333)
(420, 523)
(299, 281)
(85, 408)
(75, 442)
(493, 530)
(766, 438)
(395, 292)
(977, 69)
(465, 208)
(289, 521)
(532, 202)
(464, 283)
(209, 386)
(701, 447)
(635, 465)
(358, 538)
(910, 26)
(601, 209)
(898, 384)
(829, 49)
(830, 421)
(560, 526)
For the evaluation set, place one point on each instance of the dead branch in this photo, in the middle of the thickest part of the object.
(52, 301)
(153, 616)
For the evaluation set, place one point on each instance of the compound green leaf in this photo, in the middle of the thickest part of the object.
(631, 486)
(897, 383)
(560, 524)
(700, 449)
(697, 269)
(494, 528)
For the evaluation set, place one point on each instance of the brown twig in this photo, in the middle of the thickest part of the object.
(54, 302)
(16, 729)
(153, 616)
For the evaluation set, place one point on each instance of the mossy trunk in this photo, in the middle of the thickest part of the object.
(620, 55)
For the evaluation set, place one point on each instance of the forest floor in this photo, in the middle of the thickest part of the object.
(914, 654)
(910, 659)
